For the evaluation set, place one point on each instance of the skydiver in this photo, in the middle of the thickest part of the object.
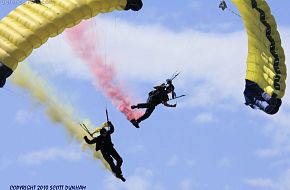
(157, 96)
(255, 97)
(36, 1)
(5, 72)
(134, 5)
(223, 5)
(104, 143)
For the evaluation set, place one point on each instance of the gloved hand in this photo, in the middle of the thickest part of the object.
(109, 123)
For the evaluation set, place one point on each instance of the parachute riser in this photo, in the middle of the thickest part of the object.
(175, 74)
(107, 115)
(86, 129)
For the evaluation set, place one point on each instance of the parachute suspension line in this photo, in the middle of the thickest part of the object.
(105, 31)
(224, 6)
(233, 12)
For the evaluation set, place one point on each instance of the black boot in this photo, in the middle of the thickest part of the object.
(36, 1)
(134, 5)
(134, 107)
(120, 176)
(135, 123)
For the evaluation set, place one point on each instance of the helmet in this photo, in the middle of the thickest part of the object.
(168, 81)
(103, 131)
(105, 124)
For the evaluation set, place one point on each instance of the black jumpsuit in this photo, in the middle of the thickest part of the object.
(256, 97)
(104, 143)
(155, 98)
(5, 72)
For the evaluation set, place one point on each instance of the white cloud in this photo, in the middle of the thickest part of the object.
(136, 148)
(222, 26)
(228, 187)
(194, 4)
(42, 156)
(204, 118)
(212, 64)
(283, 183)
(278, 130)
(22, 116)
(282, 163)
(52, 154)
(186, 184)
(56, 57)
(5, 163)
(190, 162)
(260, 182)
(268, 152)
(224, 162)
(208, 62)
(280, 183)
(143, 179)
(25, 115)
(173, 160)
(212, 67)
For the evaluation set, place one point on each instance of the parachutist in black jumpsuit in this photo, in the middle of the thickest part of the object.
(156, 97)
(256, 98)
(104, 143)
(5, 72)
(36, 1)
(134, 5)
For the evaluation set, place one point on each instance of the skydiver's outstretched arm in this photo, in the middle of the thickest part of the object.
(112, 129)
(169, 105)
(94, 140)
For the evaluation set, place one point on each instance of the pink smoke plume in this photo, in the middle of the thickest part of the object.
(83, 42)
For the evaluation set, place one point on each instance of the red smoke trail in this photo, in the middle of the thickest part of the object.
(83, 42)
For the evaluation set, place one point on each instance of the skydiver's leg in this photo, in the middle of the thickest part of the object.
(263, 105)
(36, 1)
(141, 105)
(269, 99)
(134, 5)
(147, 113)
(110, 161)
(276, 109)
(266, 96)
(118, 159)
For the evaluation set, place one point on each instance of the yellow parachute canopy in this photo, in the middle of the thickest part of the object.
(31, 24)
(266, 59)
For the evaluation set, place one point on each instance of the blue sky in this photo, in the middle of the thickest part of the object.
(210, 141)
